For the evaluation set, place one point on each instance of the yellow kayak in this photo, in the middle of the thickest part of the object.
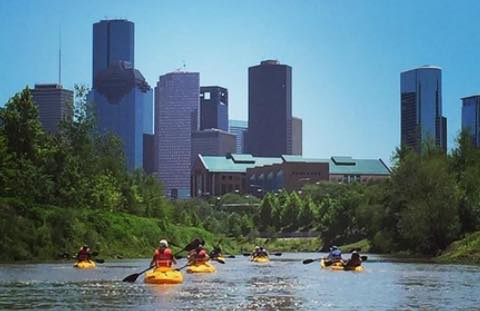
(163, 275)
(205, 267)
(339, 266)
(261, 259)
(221, 258)
(85, 264)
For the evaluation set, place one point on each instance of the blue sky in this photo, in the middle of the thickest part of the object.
(346, 55)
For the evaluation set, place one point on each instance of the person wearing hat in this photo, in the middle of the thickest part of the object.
(354, 260)
(84, 253)
(163, 256)
(335, 254)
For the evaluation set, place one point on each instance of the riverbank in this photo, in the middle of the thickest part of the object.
(45, 232)
(464, 251)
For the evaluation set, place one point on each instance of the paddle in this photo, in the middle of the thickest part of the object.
(276, 254)
(218, 260)
(133, 277)
(309, 261)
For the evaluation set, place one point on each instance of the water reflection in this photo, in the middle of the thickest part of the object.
(283, 284)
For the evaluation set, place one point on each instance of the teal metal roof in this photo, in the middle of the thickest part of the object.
(361, 166)
(228, 165)
(239, 163)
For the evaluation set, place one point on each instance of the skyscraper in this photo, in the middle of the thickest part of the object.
(239, 128)
(421, 108)
(269, 109)
(54, 105)
(177, 103)
(119, 95)
(213, 108)
(297, 136)
(113, 40)
(471, 117)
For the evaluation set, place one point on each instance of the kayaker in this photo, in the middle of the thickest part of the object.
(163, 256)
(216, 252)
(198, 256)
(263, 252)
(256, 252)
(354, 260)
(335, 255)
(84, 253)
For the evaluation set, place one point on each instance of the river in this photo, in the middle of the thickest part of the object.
(283, 284)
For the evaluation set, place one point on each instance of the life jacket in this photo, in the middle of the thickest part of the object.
(163, 258)
(83, 254)
(200, 256)
(355, 260)
(335, 255)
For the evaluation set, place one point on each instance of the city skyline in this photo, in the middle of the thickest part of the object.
(331, 60)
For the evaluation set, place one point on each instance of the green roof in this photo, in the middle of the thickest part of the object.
(235, 163)
(239, 163)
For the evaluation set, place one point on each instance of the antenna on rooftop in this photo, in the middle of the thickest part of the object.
(60, 54)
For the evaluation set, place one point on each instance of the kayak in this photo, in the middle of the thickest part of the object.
(339, 266)
(163, 275)
(205, 267)
(261, 259)
(85, 264)
(221, 258)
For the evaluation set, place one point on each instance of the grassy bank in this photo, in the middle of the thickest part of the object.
(465, 251)
(43, 232)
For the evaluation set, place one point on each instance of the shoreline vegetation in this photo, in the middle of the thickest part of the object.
(59, 191)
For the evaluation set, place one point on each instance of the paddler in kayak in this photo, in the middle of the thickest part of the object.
(335, 255)
(354, 261)
(84, 253)
(198, 256)
(259, 252)
(163, 256)
(216, 252)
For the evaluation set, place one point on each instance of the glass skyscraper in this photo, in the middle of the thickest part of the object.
(177, 103)
(421, 108)
(239, 128)
(113, 40)
(269, 109)
(471, 117)
(119, 96)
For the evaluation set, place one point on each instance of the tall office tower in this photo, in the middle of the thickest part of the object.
(113, 40)
(239, 128)
(297, 136)
(421, 108)
(177, 103)
(212, 142)
(54, 105)
(269, 109)
(213, 108)
(120, 94)
(471, 117)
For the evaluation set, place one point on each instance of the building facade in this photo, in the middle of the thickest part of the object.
(471, 117)
(421, 108)
(54, 105)
(238, 128)
(119, 96)
(213, 108)
(212, 142)
(113, 41)
(269, 109)
(177, 103)
(297, 136)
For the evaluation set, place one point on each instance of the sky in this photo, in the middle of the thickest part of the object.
(346, 56)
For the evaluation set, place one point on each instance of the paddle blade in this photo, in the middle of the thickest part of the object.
(277, 254)
(219, 260)
(131, 278)
(246, 254)
(231, 256)
(98, 260)
(363, 258)
(308, 261)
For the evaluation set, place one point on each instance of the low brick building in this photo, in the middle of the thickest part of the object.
(243, 173)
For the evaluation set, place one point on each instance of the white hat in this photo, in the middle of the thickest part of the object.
(164, 243)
